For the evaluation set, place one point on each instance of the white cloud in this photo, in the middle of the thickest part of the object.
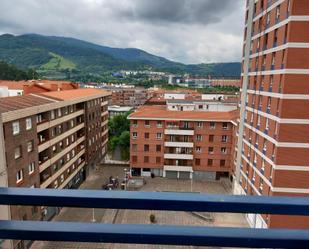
(190, 31)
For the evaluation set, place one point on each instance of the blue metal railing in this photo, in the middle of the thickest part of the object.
(154, 234)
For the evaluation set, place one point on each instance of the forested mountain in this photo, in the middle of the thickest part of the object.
(59, 54)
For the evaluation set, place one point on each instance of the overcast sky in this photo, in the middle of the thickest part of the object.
(189, 31)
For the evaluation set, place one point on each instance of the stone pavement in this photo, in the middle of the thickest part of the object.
(98, 177)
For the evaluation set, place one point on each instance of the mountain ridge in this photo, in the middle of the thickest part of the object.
(34, 51)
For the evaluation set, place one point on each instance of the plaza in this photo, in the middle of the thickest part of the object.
(101, 175)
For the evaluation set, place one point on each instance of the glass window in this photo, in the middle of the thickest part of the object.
(31, 167)
(16, 129)
(19, 176)
(28, 124)
(158, 148)
(17, 152)
(134, 135)
(30, 146)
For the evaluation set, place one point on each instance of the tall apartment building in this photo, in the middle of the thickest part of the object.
(273, 138)
(50, 140)
(133, 97)
(183, 139)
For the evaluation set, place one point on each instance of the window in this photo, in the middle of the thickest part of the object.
(198, 137)
(223, 150)
(19, 176)
(134, 159)
(210, 150)
(211, 138)
(52, 114)
(278, 13)
(225, 126)
(159, 124)
(198, 149)
(158, 148)
(197, 161)
(16, 129)
(261, 184)
(267, 124)
(134, 147)
(158, 160)
(224, 138)
(212, 125)
(17, 153)
(62, 178)
(199, 124)
(146, 147)
(59, 112)
(146, 159)
(28, 124)
(146, 135)
(30, 146)
(56, 184)
(134, 135)
(159, 136)
(222, 163)
(60, 129)
(210, 162)
(147, 123)
(134, 123)
(31, 168)
(200, 107)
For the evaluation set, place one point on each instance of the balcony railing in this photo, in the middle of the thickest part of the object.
(155, 234)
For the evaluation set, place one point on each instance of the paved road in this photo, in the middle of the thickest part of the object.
(100, 176)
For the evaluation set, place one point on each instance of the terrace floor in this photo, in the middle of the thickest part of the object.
(99, 176)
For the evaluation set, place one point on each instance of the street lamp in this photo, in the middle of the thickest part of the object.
(125, 179)
(93, 218)
(191, 181)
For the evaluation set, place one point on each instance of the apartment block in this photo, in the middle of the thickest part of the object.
(273, 138)
(183, 139)
(50, 140)
(133, 97)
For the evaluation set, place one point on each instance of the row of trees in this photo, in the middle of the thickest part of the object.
(10, 72)
(119, 134)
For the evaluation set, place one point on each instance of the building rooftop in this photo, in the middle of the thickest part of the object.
(46, 84)
(161, 113)
(8, 104)
(13, 85)
(73, 94)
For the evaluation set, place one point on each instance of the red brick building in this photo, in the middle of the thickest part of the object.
(50, 140)
(183, 139)
(273, 146)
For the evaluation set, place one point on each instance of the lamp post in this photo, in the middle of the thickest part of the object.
(125, 179)
(191, 182)
(93, 218)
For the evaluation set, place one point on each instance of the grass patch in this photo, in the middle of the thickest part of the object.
(57, 62)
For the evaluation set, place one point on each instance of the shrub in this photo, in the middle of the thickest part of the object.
(152, 218)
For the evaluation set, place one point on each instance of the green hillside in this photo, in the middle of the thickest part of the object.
(57, 62)
(62, 56)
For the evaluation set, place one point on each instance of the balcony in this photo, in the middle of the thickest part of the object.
(177, 130)
(179, 144)
(155, 234)
(178, 156)
(178, 168)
